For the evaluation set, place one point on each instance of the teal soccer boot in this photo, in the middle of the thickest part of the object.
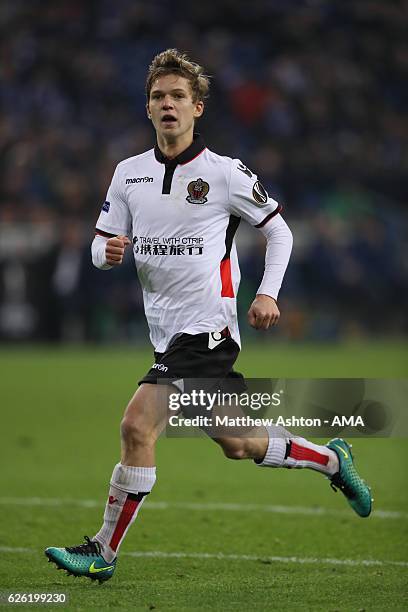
(83, 560)
(353, 487)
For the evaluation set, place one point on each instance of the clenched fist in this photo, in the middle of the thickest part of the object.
(264, 312)
(115, 249)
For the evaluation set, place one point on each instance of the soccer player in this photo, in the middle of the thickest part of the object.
(179, 205)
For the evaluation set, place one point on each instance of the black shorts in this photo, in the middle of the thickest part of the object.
(200, 361)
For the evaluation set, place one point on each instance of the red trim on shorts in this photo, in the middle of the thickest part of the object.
(302, 453)
(126, 516)
(227, 290)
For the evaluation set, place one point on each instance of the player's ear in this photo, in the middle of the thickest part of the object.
(149, 116)
(199, 109)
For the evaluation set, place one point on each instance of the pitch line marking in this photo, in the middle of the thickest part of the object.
(207, 506)
(158, 554)
(268, 559)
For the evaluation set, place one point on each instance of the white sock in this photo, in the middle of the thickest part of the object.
(294, 452)
(129, 487)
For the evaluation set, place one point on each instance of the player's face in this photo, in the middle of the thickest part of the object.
(171, 107)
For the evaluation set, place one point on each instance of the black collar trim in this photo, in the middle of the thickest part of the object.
(186, 156)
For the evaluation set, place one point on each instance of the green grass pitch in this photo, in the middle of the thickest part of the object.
(214, 534)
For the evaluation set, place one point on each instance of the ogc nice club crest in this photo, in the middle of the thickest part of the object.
(197, 191)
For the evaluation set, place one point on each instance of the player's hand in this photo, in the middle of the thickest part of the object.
(115, 249)
(264, 312)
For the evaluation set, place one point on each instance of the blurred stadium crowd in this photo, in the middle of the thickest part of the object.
(310, 95)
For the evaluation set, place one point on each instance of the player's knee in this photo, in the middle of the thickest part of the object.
(136, 432)
(234, 449)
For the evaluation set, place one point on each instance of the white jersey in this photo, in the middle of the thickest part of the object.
(181, 216)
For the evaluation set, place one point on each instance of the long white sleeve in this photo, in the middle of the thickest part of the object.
(98, 253)
(279, 241)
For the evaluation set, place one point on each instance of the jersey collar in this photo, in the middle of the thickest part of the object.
(196, 147)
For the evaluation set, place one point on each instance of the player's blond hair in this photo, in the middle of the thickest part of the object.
(172, 61)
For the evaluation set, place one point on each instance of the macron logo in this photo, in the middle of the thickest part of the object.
(160, 367)
(139, 179)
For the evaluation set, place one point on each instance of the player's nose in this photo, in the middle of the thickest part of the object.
(167, 102)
